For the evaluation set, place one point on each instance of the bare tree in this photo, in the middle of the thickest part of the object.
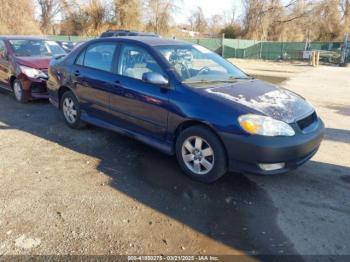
(345, 8)
(128, 13)
(48, 11)
(17, 17)
(215, 24)
(254, 19)
(160, 15)
(87, 19)
(95, 12)
(329, 19)
(191, 21)
(277, 19)
(199, 21)
(230, 16)
(74, 19)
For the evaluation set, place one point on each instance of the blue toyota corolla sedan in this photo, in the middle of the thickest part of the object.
(185, 100)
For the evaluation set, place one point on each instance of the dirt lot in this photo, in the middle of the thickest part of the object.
(96, 192)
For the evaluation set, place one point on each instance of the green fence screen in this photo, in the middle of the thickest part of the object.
(70, 38)
(247, 49)
(252, 49)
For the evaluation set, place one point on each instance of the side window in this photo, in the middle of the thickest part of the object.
(98, 56)
(134, 61)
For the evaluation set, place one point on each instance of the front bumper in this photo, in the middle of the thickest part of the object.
(34, 88)
(246, 152)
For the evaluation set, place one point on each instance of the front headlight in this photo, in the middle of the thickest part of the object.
(264, 126)
(32, 72)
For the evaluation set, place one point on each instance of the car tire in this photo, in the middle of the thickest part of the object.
(18, 92)
(71, 112)
(200, 154)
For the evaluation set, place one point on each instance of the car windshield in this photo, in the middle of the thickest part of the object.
(25, 47)
(196, 64)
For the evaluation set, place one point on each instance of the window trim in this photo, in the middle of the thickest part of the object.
(82, 52)
(114, 60)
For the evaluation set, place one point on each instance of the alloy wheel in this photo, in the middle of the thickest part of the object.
(198, 155)
(69, 110)
(17, 89)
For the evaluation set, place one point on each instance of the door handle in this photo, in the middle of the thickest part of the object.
(117, 83)
(129, 95)
(77, 73)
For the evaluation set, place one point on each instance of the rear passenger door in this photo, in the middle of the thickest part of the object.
(140, 106)
(94, 75)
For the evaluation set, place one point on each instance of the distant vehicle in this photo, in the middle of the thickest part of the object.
(24, 63)
(116, 33)
(66, 45)
(185, 100)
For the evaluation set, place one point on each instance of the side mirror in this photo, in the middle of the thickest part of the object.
(155, 78)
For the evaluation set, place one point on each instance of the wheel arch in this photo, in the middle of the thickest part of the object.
(61, 91)
(12, 80)
(190, 123)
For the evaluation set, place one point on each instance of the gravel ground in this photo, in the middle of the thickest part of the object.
(96, 192)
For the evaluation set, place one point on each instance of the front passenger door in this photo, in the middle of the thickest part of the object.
(141, 106)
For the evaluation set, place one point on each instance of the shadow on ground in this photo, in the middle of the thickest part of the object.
(338, 135)
(234, 210)
(343, 110)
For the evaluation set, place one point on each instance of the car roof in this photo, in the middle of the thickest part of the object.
(128, 31)
(22, 37)
(151, 41)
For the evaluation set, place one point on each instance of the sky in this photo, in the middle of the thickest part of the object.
(210, 8)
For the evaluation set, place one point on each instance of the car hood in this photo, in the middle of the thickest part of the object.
(265, 98)
(34, 62)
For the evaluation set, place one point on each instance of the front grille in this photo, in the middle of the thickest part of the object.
(38, 88)
(307, 121)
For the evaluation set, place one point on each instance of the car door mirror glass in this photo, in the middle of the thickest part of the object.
(155, 78)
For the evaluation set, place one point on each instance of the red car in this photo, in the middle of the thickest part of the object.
(24, 63)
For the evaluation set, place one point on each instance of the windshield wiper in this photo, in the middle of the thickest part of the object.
(210, 81)
(240, 77)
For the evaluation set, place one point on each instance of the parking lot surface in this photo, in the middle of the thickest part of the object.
(93, 191)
